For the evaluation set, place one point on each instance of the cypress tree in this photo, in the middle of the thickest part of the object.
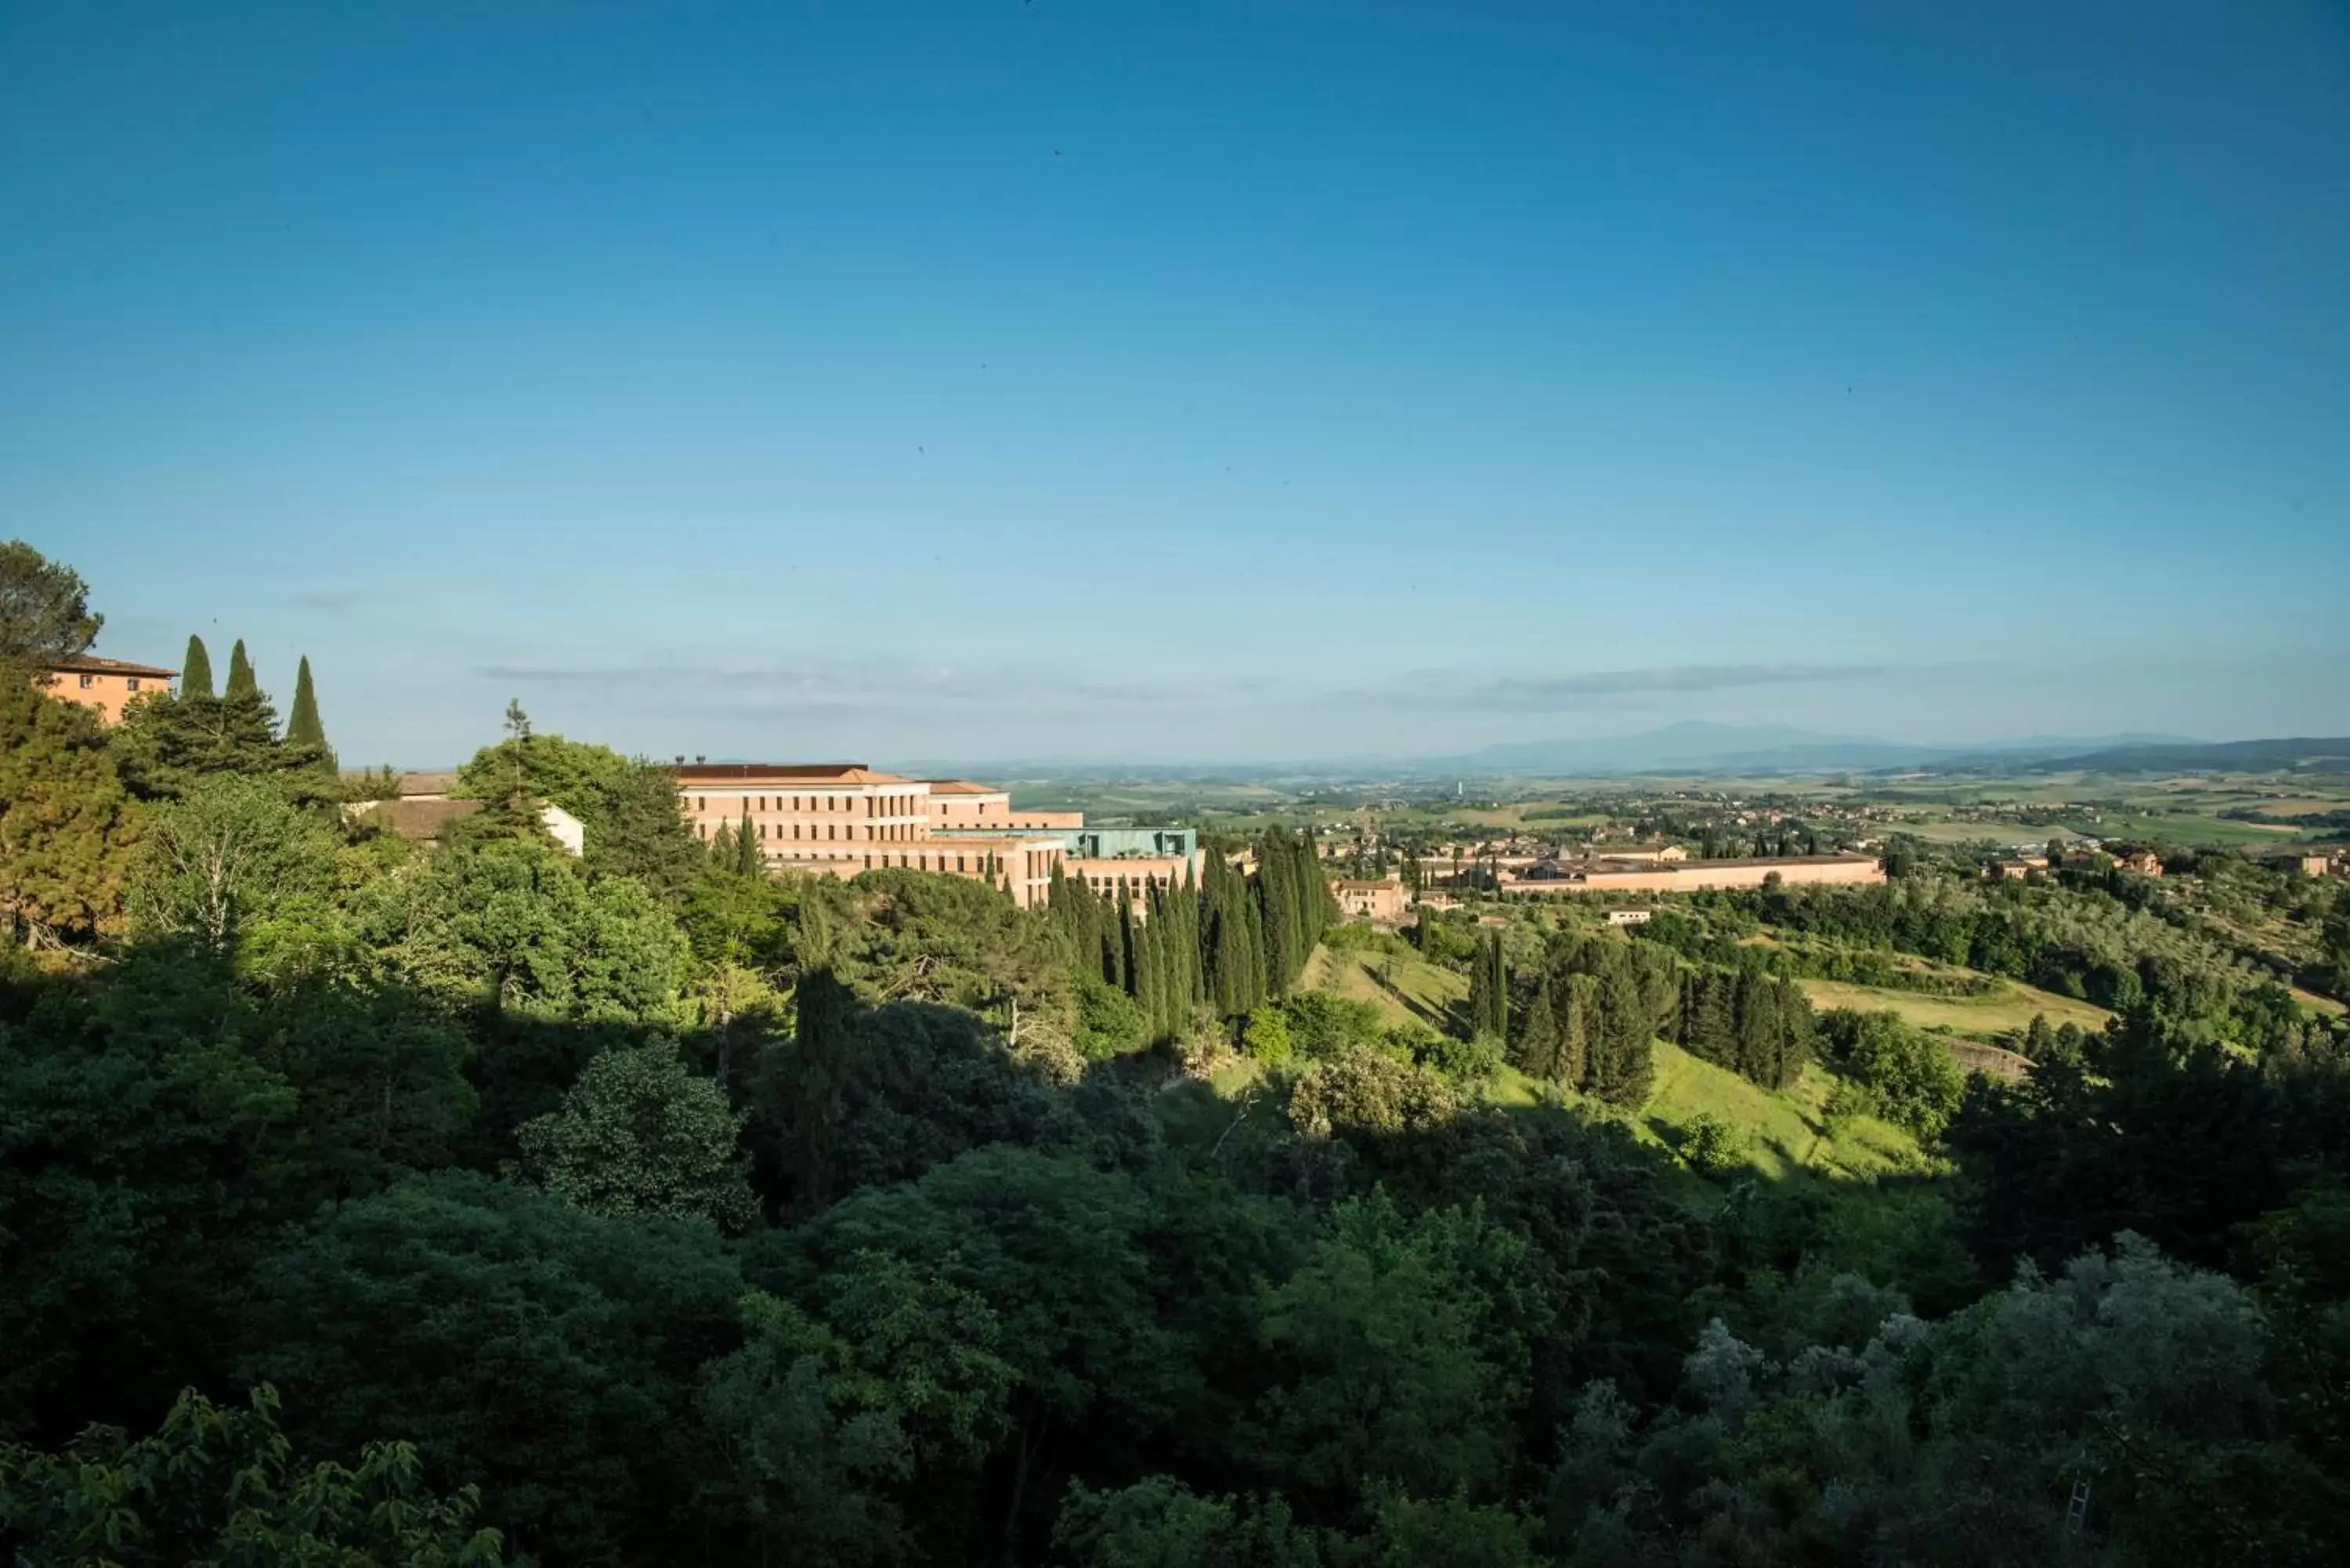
(1576, 1008)
(302, 727)
(1195, 960)
(1498, 988)
(240, 685)
(1253, 986)
(1127, 977)
(196, 669)
(1623, 1058)
(813, 943)
(747, 858)
(1226, 941)
(1538, 1042)
(1481, 1005)
(1155, 978)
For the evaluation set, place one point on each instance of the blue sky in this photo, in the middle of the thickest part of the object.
(1194, 380)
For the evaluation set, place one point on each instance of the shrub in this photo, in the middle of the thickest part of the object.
(1713, 1148)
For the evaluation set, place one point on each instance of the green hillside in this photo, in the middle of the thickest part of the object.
(1786, 1131)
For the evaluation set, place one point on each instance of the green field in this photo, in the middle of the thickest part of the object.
(2009, 1007)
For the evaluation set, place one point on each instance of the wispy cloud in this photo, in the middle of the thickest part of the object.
(907, 687)
(1459, 689)
(863, 684)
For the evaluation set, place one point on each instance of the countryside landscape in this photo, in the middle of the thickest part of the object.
(1338, 1171)
(1031, 784)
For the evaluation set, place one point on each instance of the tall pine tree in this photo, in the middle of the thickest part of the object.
(196, 669)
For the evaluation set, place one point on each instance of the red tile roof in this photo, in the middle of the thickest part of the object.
(91, 664)
(812, 773)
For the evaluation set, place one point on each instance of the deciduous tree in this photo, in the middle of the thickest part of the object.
(638, 1135)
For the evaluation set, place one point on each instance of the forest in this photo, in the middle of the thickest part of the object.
(366, 1202)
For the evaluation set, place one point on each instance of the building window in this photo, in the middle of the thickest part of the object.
(134, 683)
(88, 682)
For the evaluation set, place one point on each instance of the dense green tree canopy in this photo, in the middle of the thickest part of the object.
(45, 612)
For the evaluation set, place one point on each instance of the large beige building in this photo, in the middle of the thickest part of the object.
(838, 819)
(108, 685)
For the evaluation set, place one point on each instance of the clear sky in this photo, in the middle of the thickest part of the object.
(1193, 380)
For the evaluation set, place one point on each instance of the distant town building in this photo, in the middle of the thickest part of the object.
(1377, 898)
(108, 685)
(1644, 854)
(1603, 875)
(1630, 917)
(2312, 860)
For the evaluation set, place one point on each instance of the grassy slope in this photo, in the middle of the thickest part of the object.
(1415, 990)
(2012, 1006)
(1787, 1129)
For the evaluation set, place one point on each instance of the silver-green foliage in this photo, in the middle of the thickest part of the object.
(231, 850)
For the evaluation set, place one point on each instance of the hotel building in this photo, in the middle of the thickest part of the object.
(838, 819)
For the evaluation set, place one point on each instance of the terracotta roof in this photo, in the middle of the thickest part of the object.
(425, 819)
(813, 773)
(960, 786)
(410, 784)
(91, 664)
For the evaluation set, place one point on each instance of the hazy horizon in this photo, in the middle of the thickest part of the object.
(1200, 383)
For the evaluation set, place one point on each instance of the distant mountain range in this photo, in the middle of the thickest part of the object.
(2301, 755)
(1696, 748)
(1731, 748)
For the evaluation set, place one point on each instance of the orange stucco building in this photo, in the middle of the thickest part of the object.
(109, 685)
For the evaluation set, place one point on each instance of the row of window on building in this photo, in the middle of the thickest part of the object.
(875, 804)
